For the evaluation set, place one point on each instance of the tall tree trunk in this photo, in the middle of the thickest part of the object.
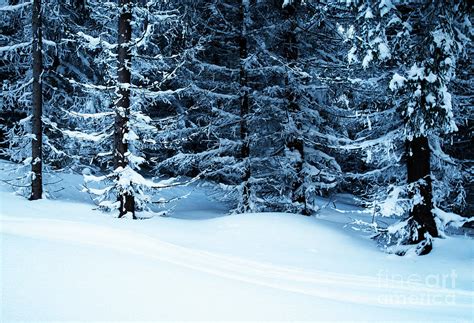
(37, 105)
(79, 5)
(418, 167)
(244, 107)
(295, 143)
(126, 199)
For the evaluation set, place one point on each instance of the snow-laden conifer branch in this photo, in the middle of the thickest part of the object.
(16, 6)
(9, 48)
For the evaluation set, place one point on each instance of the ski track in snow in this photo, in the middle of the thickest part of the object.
(327, 285)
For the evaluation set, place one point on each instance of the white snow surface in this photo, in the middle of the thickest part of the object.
(63, 260)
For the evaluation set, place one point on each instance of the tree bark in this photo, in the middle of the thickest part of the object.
(244, 108)
(295, 142)
(418, 167)
(126, 199)
(80, 5)
(37, 104)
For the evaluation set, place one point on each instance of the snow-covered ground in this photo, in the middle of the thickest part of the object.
(62, 260)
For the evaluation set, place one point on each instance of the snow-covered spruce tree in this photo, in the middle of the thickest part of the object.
(37, 103)
(187, 136)
(244, 111)
(460, 147)
(368, 144)
(14, 52)
(420, 42)
(292, 167)
(122, 133)
(30, 52)
(257, 106)
(213, 128)
(311, 58)
(124, 41)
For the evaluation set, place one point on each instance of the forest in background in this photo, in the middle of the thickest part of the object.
(276, 102)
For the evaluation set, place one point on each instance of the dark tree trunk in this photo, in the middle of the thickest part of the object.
(418, 167)
(295, 142)
(80, 5)
(126, 199)
(244, 108)
(80, 9)
(37, 105)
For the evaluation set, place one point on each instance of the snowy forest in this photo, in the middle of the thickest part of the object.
(308, 122)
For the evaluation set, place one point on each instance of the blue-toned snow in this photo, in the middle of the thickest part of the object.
(62, 260)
